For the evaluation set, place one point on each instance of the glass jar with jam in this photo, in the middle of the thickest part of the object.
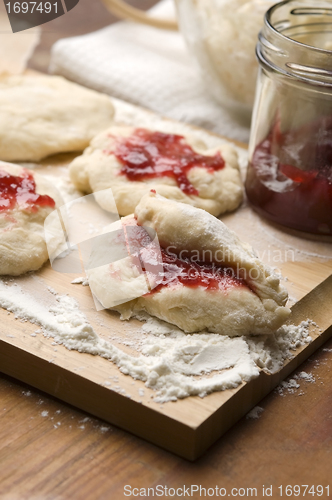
(289, 178)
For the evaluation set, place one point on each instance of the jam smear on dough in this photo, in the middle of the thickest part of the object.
(195, 274)
(176, 269)
(148, 154)
(21, 191)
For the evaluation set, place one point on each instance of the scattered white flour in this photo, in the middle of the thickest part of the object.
(255, 413)
(80, 281)
(44, 413)
(271, 351)
(308, 377)
(172, 363)
(104, 428)
(291, 385)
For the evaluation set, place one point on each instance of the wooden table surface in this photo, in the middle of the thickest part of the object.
(50, 450)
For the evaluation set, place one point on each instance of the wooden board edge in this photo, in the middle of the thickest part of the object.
(166, 432)
(248, 397)
(113, 407)
(250, 394)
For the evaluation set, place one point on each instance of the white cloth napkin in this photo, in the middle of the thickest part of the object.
(148, 67)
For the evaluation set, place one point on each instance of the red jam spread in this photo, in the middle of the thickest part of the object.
(195, 274)
(289, 178)
(147, 154)
(174, 269)
(21, 191)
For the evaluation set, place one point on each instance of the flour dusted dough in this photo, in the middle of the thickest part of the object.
(43, 115)
(22, 243)
(257, 308)
(219, 192)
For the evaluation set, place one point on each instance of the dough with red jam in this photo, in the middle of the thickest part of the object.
(214, 190)
(210, 281)
(26, 199)
(41, 115)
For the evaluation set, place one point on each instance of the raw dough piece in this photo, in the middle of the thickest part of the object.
(98, 169)
(42, 115)
(22, 242)
(251, 303)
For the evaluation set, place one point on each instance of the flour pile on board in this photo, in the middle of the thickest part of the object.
(172, 363)
(271, 351)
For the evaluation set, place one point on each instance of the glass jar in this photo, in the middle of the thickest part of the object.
(289, 178)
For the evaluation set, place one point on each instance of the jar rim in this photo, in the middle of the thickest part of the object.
(289, 56)
(268, 22)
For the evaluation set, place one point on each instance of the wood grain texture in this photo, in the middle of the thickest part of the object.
(71, 455)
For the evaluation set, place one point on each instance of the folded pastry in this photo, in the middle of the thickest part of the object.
(133, 161)
(26, 199)
(42, 115)
(202, 278)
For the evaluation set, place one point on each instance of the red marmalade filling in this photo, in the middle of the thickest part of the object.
(289, 179)
(21, 191)
(195, 274)
(175, 269)
(146, 155)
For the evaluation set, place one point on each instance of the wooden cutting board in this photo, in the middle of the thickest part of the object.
(186, 427)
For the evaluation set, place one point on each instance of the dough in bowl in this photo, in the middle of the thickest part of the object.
(210, 279)
(26, 199)
(41, 115)
(133, 161)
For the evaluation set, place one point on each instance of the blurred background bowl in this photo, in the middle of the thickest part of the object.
(221, 36)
